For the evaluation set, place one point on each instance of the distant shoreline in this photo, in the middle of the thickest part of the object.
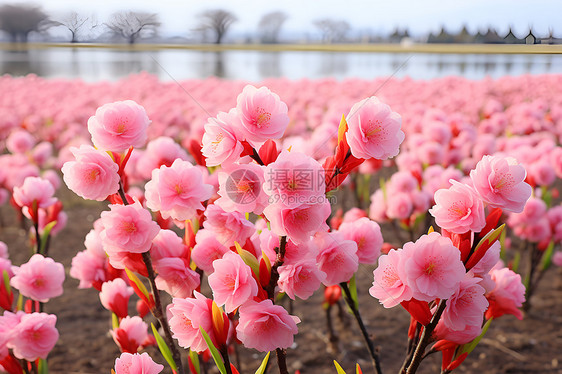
(359, 48)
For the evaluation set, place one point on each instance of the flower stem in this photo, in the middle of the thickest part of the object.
(224, 353)
(282, 360)
(373, 352)
(426, 338)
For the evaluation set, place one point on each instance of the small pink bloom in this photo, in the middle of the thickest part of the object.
(500, 181)
(262, 113)
(88, 268)
(35, 190)
(34, 336)
(136, 363)
(367, 234)
(221, 141)
(168, 244)
(265, 327)
(557, 258)
(433, 266)
(508, 295)
(118, 126)
(93, 175)
(207, 250)
(300, 278)
(337, 257)
(177, 191)
(20, 141)
(3, 250)
(160, 151)
(39, 279)
(175, 277)
(187, 315)
(229, 227)
(300, 223)
(399, 205)
(232, 282)
(8, 324)
(293, 252)
(131, 334)
(458, 209)
(374, 130)
(114, 296)
(390, 280)
(466, 335)
(295, 179)
(466, 306)
(240, 189)
(353, 215)
(128, 228)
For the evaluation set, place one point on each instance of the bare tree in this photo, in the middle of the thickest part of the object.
(270, 25)
(218, 21)
(333, 31)
(18, 20)
(133, 25)
(76, 24)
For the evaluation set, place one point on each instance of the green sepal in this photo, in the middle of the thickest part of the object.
(6, 278)
(46, 232)
(214, 351)
(547, 256)
(263, 365)
(133, 277)
(469, 347)
(164, 349)
(42, 367)
(114, 321)
(195, 361)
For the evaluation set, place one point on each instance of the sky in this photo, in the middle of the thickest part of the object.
(179, 17)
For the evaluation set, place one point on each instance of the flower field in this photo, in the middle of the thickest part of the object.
(405, 226)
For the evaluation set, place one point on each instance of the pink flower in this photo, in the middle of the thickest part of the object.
(300, 278)
(232, 282)
(458, 209)
(118, 126)
(262, 113)
(93, 175)
(136, 363)
(265, 327)
(34, 336)
(39, 279)
(353, 215)
(20, 141)
(35, 190)
(228, 227)
(221, 141)
(374, 130)
(500, 181)
(295, 179)
(337, 257)
(160, 151)
(168, 244)
(114, 296)
(187, 316)
(88, 269)
(8, 324)
(177, 191)
(240, 189)
(557, 258)
(128, 228)
(466, 306)
(131, 334)
(367, 234)
(3, 250)
(399, 205)
(433, 266)
(300, 223)
(390, 283)
(207, 250)
(175, 277)
(508, 295)
(466, 335)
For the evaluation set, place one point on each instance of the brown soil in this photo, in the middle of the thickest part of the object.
(533, 345)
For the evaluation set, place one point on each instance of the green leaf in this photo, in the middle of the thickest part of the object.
(133, 277)
(248, 258)
(42, 367)
(419, 219)
(353, 291)
(547, 256)
(263, 365)
(19, 305)
(195, 360)
(214, 351)
(382, 183)
(46, 232)
(469, 347)
(114, 321)
(339, 369)
(164, 349)
(516, 261)
(6, 277)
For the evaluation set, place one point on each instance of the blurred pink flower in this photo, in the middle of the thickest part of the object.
(118, 126)
(374, 130)
(232, 282)
(262, 114)
(136, 363)
(265, 327)
(500, 181)
(34, 336)
(39, 279)
(433, 266)
(20, 141)
(93, 175)
(177, 191)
